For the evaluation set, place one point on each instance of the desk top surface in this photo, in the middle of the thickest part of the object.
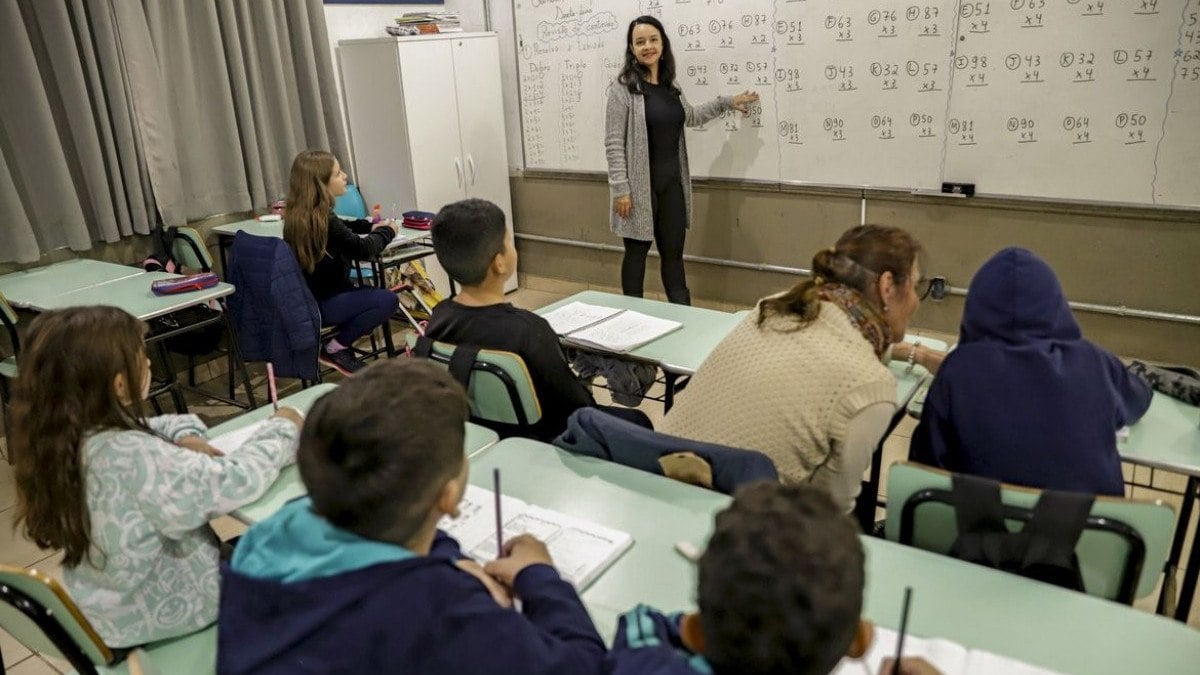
(274, 228)
(680, 351)
(32, 287)
(133, 295)
(1167, 437)
(972, 605)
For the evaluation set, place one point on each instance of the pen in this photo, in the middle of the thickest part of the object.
(499, 519)
(903, 627)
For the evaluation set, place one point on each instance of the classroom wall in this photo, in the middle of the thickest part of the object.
(1133, 259)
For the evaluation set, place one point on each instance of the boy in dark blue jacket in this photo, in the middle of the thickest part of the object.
(781, 590)
(356, 577)
(1024, 398)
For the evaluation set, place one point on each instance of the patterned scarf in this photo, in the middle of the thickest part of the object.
(861, 313)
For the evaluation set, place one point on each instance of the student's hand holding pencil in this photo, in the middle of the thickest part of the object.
(499, 593)
(519, 552)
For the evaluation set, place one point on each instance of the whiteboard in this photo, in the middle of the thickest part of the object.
(1091, 100)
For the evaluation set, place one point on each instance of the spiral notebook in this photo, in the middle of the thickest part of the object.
(581, 549)
(607, 328)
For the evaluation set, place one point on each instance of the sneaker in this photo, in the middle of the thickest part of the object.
(342, 361)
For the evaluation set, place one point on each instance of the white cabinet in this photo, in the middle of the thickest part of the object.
(427, 123)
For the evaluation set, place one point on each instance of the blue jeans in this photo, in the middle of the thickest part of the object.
(356, 313)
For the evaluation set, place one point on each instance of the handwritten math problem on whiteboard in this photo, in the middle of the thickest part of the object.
(1095, 100)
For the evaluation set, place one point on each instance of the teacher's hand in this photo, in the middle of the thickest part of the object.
(742, 101)
(623, 206)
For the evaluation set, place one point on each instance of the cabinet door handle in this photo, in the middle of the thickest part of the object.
(471, 165)
(458, 171)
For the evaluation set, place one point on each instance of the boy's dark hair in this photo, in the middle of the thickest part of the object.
(781, 583)
(467, 236)
(375, 451)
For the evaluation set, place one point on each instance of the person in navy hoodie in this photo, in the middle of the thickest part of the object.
(1024, 398)
(357, 578)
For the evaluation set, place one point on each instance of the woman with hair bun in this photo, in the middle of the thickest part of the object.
(802, 378)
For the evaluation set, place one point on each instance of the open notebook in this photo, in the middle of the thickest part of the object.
(949, 657)
(617, 330)
(582, 550)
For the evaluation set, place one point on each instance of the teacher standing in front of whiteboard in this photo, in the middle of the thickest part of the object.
(647, 157)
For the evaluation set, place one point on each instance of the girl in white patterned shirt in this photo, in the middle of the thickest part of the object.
(127, 498)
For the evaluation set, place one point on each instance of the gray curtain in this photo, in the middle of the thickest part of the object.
(116, 115)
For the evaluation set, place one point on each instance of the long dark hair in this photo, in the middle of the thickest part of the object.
(64, 393)
(858, 258)
(633, 73)
(306, 218)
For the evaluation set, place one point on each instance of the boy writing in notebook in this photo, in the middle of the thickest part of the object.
(476, 249)
(357, 578)
(780, 591)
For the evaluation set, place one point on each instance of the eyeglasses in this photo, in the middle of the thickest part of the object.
(923, 288)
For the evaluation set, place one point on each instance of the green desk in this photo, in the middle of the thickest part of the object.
(83, 282)
(678, 353)
(397, 253)
(33, 287)
(288, 485)
(982, 608)
(1168, 437)
(133, 295)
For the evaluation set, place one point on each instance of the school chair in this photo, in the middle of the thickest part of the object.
(275, 315)
(8, 366)
(351, 204)
(592, 432)
(498, 384)
(1121, 551)
(190, 253)
(37, 611)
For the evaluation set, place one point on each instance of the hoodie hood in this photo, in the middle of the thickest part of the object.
(296, 544)
(1016, 298)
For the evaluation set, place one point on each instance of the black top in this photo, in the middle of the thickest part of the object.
(332, 272)
(664, 126)
(508, 328)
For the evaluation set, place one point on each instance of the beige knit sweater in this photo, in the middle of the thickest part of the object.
(789, 395)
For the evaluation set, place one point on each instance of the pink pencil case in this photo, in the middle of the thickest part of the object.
(191, 282)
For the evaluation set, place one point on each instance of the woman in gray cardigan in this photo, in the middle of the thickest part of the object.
(647, 157)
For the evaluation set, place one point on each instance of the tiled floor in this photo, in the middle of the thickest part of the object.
(534, 293)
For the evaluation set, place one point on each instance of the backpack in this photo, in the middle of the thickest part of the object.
(1044, 549)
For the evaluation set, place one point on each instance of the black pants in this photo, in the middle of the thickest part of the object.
(669, 207)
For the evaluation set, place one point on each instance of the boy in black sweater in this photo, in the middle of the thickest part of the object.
(477, 251)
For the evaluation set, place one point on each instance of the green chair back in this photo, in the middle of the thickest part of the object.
(38, 613)
(8, 316)
(194, 654)
(189, 250)
(1102, 554)
(501, 389)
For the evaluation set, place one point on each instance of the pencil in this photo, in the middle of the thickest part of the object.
(499, 519)
(271, 391)
(903, 627)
